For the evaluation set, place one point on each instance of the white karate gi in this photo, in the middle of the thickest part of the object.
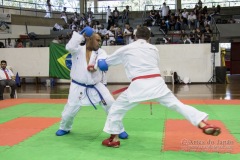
(48, 11)
(77, 95)
(108, 14)
(139, 59)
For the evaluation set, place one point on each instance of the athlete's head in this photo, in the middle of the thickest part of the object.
(94, 42)
(143, 33)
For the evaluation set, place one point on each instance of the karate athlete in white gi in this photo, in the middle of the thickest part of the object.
(141, 61)
(86, 87)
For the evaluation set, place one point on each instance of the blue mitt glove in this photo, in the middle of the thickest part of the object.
(88, 31)
(103, 66)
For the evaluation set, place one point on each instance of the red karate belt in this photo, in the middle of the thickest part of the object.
(139, 77)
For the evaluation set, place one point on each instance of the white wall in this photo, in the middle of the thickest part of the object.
(188, 60)
(29, 62)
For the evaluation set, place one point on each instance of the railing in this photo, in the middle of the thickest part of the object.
(211, 4)
(44, 42)
(35, 7)
(216, 35)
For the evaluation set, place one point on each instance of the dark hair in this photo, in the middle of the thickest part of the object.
(143, 33)
(3, 61)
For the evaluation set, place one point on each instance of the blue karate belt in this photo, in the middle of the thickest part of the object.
(86, 90)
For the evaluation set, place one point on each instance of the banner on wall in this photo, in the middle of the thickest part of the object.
(60, 61)
(5, 23)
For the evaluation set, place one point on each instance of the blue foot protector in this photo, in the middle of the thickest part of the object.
(61, 132)
(123, 135)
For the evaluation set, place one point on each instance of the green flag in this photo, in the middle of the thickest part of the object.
(60, 61)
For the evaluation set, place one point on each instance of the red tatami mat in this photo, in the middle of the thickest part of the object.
(181, 135)
(17, 130)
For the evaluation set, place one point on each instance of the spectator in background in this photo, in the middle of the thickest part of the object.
(207, 20)
(192, 20)
(110, 22)
(115, 16)
(103, 31)
(119, 37)
(108, 13)
(135, 30)
(48, 10)
(165, 11)
(95, 29)
(207, 32)
(9, 43)
(109, 37)
(125, 15)
(199, 37)
(6, 78)
(185, 16)
(89, 16)
(64, 15)
(171, 22)
(128, 34)
(19, 43)
(163, 27)
(83, 20)
(200, 4)
(58, 39)
(218, 9)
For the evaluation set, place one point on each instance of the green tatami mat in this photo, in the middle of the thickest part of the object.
(146, 133)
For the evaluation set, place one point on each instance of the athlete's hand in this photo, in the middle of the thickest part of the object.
(87, 31)
(103, 66)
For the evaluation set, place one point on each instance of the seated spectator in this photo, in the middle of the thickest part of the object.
(171, 22)
(207, 33)
(192, 20)
(199, 36)
(207, 20)
(19, 44)
(185, 16)
(102, 31)
(128, 34)
(192, 36)
(83, 20)
(10, 44)
(6, 78)
(185, 39)
(95, 29)
(119, 37)
(152, 16)
(163, 27)
(135, 30)
(110, 37)
(58, 39)
(75, 17)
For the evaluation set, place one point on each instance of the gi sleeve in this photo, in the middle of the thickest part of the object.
(73, 45)
(116, 57)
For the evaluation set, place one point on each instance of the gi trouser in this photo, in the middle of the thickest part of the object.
(114, 123)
